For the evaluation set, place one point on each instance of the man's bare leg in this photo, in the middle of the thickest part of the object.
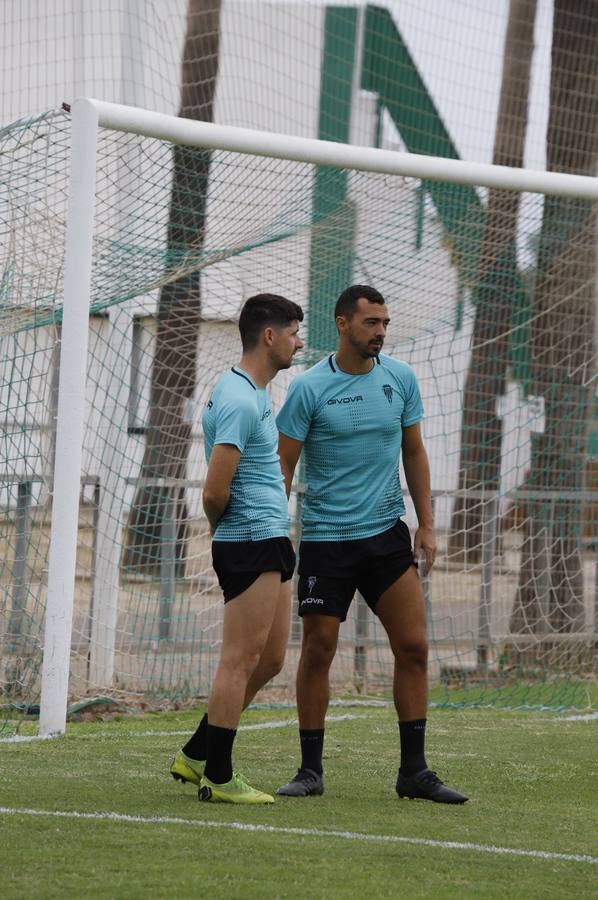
(401, 609)
(269, 665)
(320, 638)
(247, 623)
(272, 658)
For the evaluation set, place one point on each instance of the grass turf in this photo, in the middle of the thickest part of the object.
(529, 776)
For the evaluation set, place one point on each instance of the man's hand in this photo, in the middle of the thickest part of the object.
(425, 542)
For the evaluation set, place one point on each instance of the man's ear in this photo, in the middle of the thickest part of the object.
(268, 336)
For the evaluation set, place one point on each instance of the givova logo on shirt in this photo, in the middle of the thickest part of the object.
(338, 400)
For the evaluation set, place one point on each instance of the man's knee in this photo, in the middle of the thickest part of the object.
(272, 664)
(319, 648)
(241, 659)
(412, 651)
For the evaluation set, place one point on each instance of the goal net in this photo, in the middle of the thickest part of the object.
(489, 276)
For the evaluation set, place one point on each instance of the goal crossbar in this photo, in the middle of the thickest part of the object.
(187, 132)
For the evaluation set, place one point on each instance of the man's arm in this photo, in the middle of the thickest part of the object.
(417, 473)
(216, 490)
(289, 451)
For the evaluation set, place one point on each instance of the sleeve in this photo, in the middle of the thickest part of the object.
(413, 410)
(294, 419)
(235, 420)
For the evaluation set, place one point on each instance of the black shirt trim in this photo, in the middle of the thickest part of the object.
(241, 375)
(331, 364)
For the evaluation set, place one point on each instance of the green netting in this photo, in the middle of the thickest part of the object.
(182, 237)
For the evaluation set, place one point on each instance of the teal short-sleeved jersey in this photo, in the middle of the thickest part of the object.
(240, 413)
(351, 427)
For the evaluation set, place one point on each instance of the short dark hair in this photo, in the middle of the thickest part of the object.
(265, 310)
(347, 302)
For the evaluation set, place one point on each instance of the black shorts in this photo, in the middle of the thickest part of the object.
(239, 563)
(331, 571)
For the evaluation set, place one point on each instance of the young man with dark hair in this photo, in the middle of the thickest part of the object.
(246, 505)
(353, 414)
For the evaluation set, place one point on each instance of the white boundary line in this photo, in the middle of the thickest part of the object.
(280, 723)
(586, 717)
(302, 832)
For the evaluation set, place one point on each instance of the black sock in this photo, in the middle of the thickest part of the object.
(312, 746)
(219, 765)
(197, 745)
(413, 738)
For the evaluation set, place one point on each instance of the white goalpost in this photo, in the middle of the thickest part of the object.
(70, 422)
(89, 119)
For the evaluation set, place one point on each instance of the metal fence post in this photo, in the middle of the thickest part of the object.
(296, 630)
(361, 642)
(489, 530)
(19, 568)
(167, 563)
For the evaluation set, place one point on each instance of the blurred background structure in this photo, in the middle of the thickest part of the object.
(492, 296)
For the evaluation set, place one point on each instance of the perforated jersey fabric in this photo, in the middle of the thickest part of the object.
(240, 413)
(352, 429)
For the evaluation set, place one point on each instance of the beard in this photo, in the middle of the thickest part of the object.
(368, 350)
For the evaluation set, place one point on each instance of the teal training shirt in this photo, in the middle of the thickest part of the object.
(240, 413)
(352, 429)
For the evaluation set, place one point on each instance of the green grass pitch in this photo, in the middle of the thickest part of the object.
(96, 814)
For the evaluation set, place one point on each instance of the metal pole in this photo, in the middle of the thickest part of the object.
(19, 569)
(542, 563)
(167, 563)
(361, 637)
(70, 421)
(489, 528)
(426, 580)
(296, 629)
